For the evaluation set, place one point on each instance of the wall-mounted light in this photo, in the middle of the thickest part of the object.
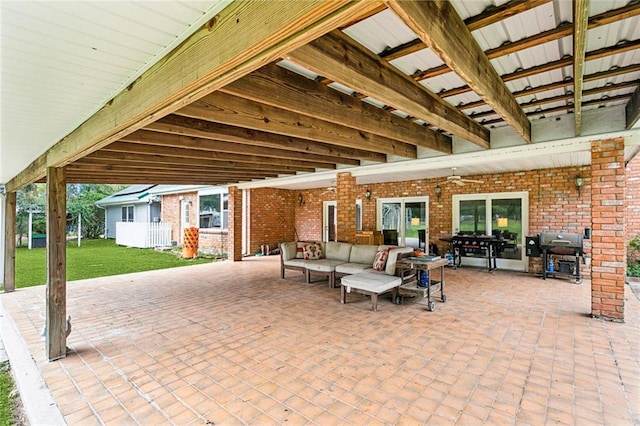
(300, 199)
(579, 182)
(367, 194)
(438, 191)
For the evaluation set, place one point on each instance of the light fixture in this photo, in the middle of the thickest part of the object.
(415, 221)
(300, 199)
(438, 191)
(367, 194)
(579, 182)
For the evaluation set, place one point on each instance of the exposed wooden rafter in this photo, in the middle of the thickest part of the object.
(341, 59)
(278, 87)
(580, 22)
(434, 22)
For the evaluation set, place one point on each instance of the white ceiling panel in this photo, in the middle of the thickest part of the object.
(62, 61)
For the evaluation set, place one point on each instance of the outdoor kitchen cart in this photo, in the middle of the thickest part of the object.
(411, 269)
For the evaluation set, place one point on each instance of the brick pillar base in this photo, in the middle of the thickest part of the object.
(346, 206)
(608, 264)
(235, 224)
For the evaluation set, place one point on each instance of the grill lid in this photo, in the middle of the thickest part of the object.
(554, 239)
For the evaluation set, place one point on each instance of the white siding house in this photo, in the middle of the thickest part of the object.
(132, 204)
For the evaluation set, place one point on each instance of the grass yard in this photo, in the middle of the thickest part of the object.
(95, 258)
(6, 402)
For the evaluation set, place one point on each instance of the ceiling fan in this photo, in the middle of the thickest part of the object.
(459, 180)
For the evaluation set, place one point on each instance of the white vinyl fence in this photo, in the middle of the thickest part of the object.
(143, 235)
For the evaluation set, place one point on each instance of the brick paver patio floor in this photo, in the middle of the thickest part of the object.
(231, 343)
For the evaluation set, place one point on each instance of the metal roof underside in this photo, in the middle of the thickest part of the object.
(296, 122)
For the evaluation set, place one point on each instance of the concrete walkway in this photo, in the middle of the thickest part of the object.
(231, 343)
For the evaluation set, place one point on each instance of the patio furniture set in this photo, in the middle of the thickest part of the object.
(366, 269)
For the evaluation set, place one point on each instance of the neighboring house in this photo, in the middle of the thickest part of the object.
(132, 204)
(175, 207)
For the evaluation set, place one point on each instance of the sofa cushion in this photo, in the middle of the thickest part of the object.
(337, 251)
(352, 268)
(363, 254)
(322, 265)
(288, 250)
(300, 249)
(313, 251)
(374, 282)
(390, 269)
(380, 260)
(300, 263)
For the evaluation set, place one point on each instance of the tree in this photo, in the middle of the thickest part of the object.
(30, 198)
(82, 200)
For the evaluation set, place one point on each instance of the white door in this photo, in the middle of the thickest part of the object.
(404, 221)
(329, 220)
(184, 217)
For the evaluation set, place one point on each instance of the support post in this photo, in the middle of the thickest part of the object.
(346, 207)
(608, 237)
(56, 339)
(30, 231)
(235, 224)
(10, 242)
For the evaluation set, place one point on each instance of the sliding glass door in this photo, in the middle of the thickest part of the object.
(404, 221)
(504, 215)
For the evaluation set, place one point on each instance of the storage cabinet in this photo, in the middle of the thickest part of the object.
(369, 237)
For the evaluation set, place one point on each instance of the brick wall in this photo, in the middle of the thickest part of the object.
(609, 231)
(272, 217)
(346, 207)
(235, 224)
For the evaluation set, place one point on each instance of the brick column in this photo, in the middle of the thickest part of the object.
(608, 264)
(346, 206)
(235, 224)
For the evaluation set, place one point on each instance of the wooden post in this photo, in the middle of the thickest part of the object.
(10, 242)
(56, 339)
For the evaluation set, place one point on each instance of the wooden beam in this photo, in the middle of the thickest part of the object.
(141, 159)
(281, 88)
(632, 110)
(244, 36)
(135, 179)
(177, 141)
(56, 295)
(554, 65)
(341, 59)
(439, 26)
(498, 13)
(563, 30)
(235, 111)
(580, 22)
(149, 170)
(187, 126)
(208, 154)
(10, 242)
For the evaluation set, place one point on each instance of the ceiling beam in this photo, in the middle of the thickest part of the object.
(619, 48)
(187, 126)
(161, 160)
(439, 26)
(580, 22)
(261, 32)
(281, 88)
(339, 58)
(632, 110)
(232, 110)
(498, 13)
(137, 148)
(168, 140)
(563, 30)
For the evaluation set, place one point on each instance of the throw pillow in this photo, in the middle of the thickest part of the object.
(300, 250)
(380, 261)
(312, 252)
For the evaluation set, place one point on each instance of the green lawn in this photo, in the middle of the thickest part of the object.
(6, 403)
(95, 258)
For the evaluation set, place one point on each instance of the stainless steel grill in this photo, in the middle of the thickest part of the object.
(563, 244)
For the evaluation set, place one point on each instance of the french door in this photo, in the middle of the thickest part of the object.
(404, 221)
(501, 214)
(329, 220)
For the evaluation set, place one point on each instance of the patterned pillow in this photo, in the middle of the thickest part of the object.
(312, 252)
(380, 261)
(300, 250)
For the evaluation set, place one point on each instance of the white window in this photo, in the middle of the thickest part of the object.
(213, 210)
(127, 214)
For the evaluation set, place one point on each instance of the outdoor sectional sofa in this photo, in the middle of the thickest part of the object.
(344, 259)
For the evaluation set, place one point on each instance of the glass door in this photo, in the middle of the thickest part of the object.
(503, 215)
(329, 221)
(404, 221)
